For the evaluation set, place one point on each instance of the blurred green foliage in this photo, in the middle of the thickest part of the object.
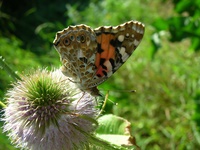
(165, 110)
(183, 24)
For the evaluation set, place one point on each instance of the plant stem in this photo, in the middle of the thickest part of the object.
(2, 104)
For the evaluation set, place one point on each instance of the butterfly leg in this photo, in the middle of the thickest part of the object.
(104, 104)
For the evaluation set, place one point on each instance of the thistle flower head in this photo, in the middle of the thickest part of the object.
(46, 111)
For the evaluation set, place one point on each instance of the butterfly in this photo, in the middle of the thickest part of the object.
(90, 56)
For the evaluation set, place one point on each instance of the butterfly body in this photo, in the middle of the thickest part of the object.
(90, 56)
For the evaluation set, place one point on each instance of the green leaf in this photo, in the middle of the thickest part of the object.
(116, 130)
(183, 5)
(160, 24)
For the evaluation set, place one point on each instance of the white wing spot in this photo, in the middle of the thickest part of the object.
(141, 31)
(125, 57)
(109, 68)
(80, 53)
(134, 27)
(88, 43)
(122, 50)
(136, 42)
(121, 38)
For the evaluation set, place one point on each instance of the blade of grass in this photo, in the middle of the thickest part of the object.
(5, 66)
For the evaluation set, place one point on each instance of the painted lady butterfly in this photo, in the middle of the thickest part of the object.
(90, 56)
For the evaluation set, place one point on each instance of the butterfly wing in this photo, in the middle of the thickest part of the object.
(89, 56)
(115, 46)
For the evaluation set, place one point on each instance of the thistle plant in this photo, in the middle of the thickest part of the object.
(46, 111)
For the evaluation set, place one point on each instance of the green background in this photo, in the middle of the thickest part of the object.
(164, 70)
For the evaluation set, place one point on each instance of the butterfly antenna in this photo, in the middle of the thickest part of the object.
(104, 103)
(120, 91)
